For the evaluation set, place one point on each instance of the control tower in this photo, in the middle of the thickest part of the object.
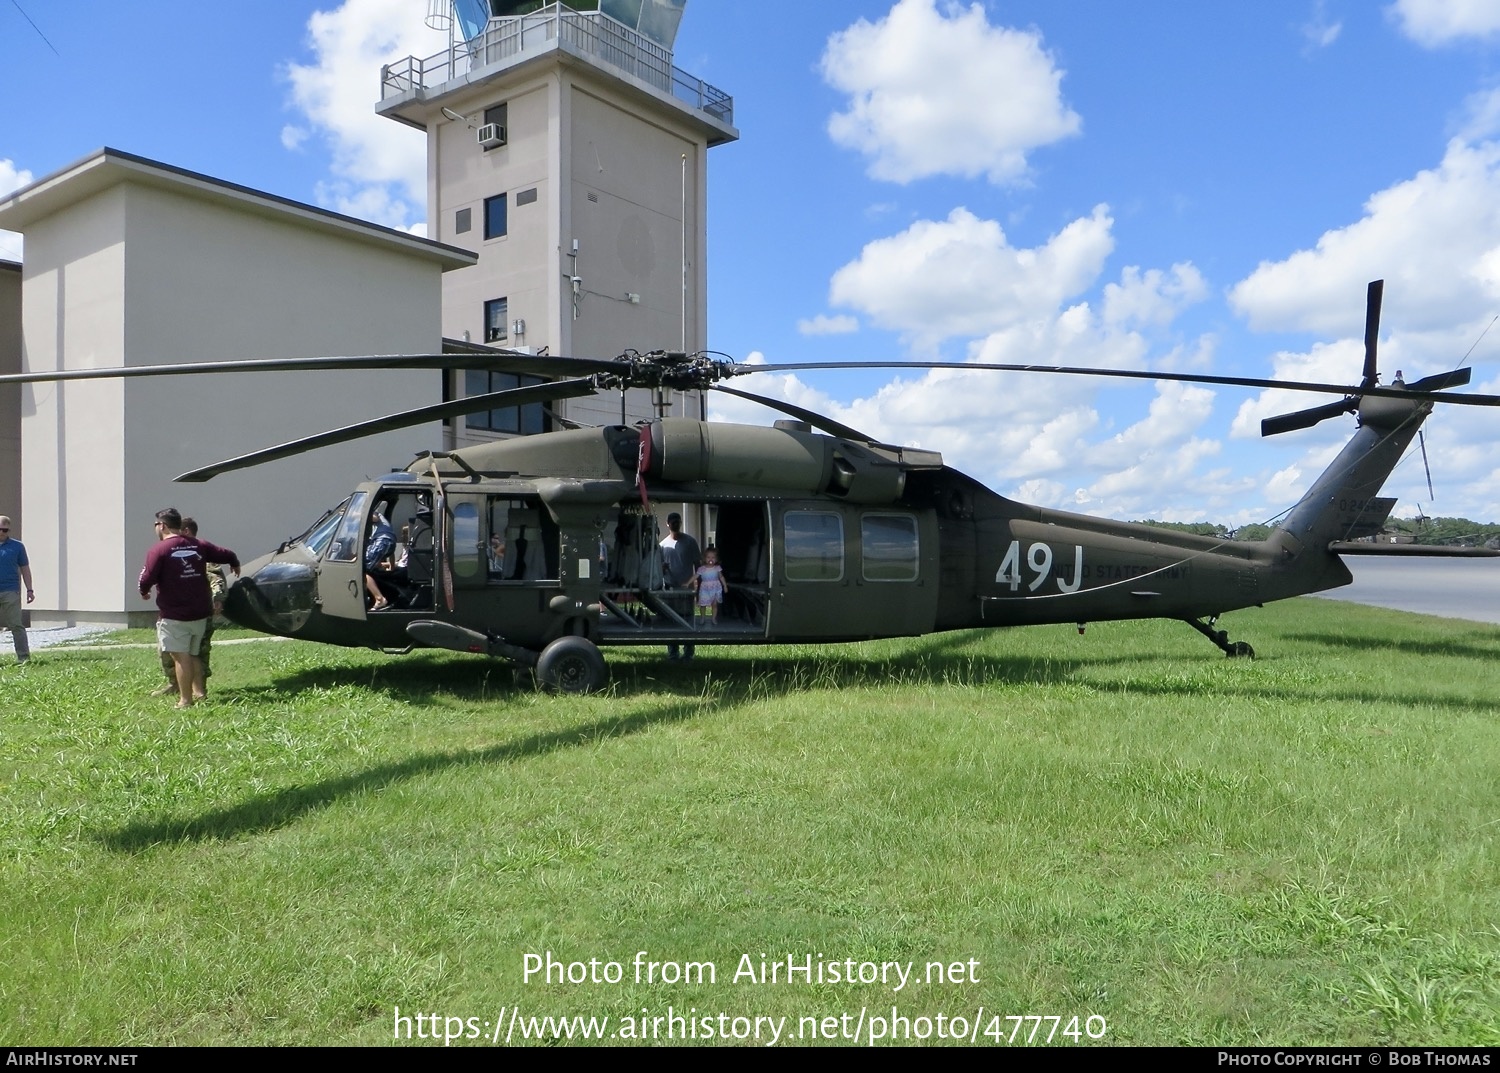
(566, 150)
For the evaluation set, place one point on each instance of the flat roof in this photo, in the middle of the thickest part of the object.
(108, 167)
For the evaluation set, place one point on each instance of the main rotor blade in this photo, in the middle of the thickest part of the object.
(1273, 426)
(812, 417)
(499, 361)
(1130, 374)
(1440, 381)
(519, 396)
(1373, 297)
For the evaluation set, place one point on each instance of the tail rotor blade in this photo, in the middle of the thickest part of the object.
(1372, 328)
(1422, 439)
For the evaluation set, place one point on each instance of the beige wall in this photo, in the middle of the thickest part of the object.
(522, 266)
(10, 394)
(73, 434)
(142, 274)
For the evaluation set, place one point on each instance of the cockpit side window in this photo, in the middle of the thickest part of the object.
(316, 539)
(347, 545)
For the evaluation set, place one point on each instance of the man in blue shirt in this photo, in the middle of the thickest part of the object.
(15, 577)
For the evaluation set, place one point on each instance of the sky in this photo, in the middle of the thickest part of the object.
(1155, 185)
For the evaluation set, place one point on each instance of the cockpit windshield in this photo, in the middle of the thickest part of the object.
(316, 538)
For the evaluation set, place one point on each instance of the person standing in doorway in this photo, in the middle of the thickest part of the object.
(679, 564)
(15, 586)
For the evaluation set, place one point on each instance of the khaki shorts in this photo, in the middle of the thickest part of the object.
(177, 635)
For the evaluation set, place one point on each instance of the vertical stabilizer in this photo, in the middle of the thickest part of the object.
(1345, 502)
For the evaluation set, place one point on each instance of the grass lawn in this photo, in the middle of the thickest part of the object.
(1124, 826)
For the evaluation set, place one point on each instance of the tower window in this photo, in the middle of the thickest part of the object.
(495, 312)
(495, 223)
(462, 220)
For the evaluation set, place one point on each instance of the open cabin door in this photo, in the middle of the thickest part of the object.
(341, 573)
(468, 539)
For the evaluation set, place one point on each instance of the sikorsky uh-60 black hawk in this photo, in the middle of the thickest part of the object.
(544, 548)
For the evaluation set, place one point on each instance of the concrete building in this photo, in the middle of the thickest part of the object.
(569, 154)
(131, 262)
(10, 394)
(567, 176)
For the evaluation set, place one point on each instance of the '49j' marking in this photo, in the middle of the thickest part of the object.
(1040, 559)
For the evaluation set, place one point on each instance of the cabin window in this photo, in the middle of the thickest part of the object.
(468, 548)
(814, 542)
(347, 545)
(888, 547)
(522, 541)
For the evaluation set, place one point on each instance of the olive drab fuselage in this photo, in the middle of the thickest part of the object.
(821, 538)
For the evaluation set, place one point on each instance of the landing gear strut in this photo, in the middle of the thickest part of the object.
(1232, 649)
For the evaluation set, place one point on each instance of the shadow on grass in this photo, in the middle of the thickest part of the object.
(425, 678)
(1471, 644)
(266, 812)
(715, 683)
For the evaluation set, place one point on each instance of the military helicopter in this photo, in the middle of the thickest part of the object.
(543, 549)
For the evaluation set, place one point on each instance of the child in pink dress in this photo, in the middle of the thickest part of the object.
(709, 581)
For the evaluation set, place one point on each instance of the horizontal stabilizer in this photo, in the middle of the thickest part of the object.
(1437, 551)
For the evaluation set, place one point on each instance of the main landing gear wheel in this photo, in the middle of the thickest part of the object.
(1232, 649)
(571, 665)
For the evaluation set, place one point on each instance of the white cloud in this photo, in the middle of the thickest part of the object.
(1176, 412)
(1433, 238)
(1318, 31)
(823, 324)
(1481, 116)
(1152, 297)
(944, 93)
(12, 178)
(1440, 22)
(377, 162)
(1027, 432)
(961, 276)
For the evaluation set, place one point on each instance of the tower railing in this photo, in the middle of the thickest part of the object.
(590, 33)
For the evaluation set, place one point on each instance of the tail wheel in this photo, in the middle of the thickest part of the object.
(571, 665)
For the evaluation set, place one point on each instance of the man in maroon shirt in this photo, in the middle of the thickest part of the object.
(177, 568)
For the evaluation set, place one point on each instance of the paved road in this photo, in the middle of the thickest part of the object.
(1453, 588)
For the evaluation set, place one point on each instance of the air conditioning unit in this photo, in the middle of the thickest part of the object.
(492, 136)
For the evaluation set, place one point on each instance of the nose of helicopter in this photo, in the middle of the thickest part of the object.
(272, 595)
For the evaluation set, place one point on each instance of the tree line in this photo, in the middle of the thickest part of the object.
(1457, 531)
